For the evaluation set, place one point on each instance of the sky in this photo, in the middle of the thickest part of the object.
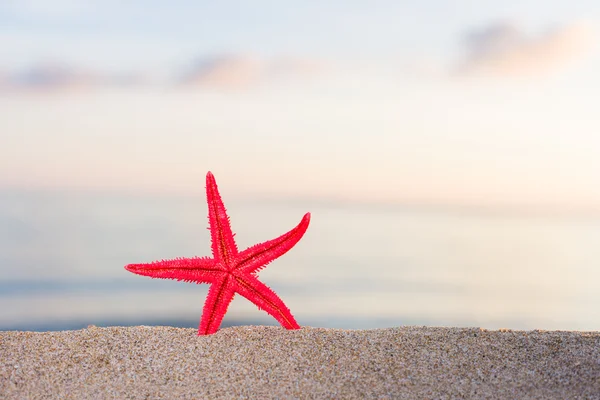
(477, 103)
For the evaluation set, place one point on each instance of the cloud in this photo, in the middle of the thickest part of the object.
(51, 77)
(3, 79)
(224, 72)
(220, 72)
(503, 49)
(242, 71)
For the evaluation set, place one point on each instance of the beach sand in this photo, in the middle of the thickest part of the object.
(270, 362)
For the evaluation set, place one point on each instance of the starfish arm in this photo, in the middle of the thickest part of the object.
(196, 269)
(260, 294)
(257, 257)
(217, 302)
(223, 245)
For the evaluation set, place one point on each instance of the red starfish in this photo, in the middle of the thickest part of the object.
(229, 271)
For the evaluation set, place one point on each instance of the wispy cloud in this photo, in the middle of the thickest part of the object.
(57, 77)
(3, 79)
(232, 71)
(50, 77)
(504, 49)
(213, 72)
(242, 71)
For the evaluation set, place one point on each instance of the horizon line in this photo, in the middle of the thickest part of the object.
(466, 207)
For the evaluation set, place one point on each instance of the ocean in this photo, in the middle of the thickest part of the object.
(62, 258)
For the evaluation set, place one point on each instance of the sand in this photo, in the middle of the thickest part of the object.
(270, 362)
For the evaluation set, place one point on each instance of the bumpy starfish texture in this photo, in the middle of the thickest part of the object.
(229, 271)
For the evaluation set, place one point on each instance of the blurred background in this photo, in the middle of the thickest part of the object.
(447, 150)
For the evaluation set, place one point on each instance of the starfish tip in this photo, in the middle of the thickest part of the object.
(210, 180)
(134, 268)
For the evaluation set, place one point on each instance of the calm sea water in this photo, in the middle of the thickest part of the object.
(62, 258)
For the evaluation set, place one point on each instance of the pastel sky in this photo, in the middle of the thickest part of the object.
(455, 102)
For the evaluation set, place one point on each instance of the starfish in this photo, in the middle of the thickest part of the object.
(229, 271)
